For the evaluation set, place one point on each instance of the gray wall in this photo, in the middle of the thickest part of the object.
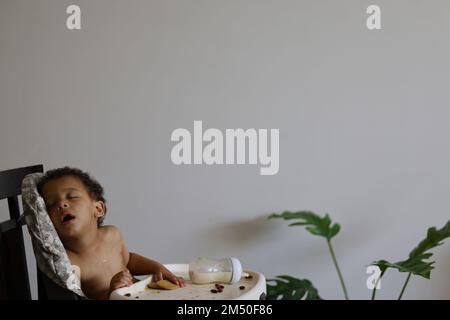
(363, 118)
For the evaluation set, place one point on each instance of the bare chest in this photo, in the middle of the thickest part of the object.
(97, 268)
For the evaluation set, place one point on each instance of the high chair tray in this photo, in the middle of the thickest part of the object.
(248, 288)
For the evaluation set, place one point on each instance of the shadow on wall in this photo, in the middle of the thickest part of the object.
(252, 232)
(259, 232)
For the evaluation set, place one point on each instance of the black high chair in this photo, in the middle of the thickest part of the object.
(14, 280)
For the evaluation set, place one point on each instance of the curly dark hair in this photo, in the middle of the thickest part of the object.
(93, 187)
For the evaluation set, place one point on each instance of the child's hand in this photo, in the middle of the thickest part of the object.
(120, 280)
(163, 273)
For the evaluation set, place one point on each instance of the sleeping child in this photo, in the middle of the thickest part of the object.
(76, 205)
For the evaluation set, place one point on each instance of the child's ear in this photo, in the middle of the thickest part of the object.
(99, 209)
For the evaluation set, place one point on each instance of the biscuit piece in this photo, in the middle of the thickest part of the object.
(153, 285)
(166, 284)
(162, 284)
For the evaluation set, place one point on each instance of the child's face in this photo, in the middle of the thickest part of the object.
(70, 206)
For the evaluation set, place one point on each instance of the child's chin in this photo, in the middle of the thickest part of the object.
(69, 232)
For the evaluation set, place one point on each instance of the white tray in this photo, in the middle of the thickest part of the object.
(253, 288)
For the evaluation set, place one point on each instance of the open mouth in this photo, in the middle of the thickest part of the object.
(67, 217)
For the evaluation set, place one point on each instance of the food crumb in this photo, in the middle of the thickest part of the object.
(219, 287)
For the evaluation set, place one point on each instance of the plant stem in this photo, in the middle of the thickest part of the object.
(376, 284)
(330, 247)
(404, 286)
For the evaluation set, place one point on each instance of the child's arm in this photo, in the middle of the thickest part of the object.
(139, 265)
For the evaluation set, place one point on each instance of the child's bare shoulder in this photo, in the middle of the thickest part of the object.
(111, 233)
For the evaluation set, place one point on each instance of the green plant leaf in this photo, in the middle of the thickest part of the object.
(290, 288)
(415, 265)
(418, 262)
(434, 238)
(314, 223)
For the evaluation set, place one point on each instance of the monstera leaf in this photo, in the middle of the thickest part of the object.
(314, 223)
(417, 262)
(290, 288)
(415, 265)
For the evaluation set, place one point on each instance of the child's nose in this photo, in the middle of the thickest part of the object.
(63, 205)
